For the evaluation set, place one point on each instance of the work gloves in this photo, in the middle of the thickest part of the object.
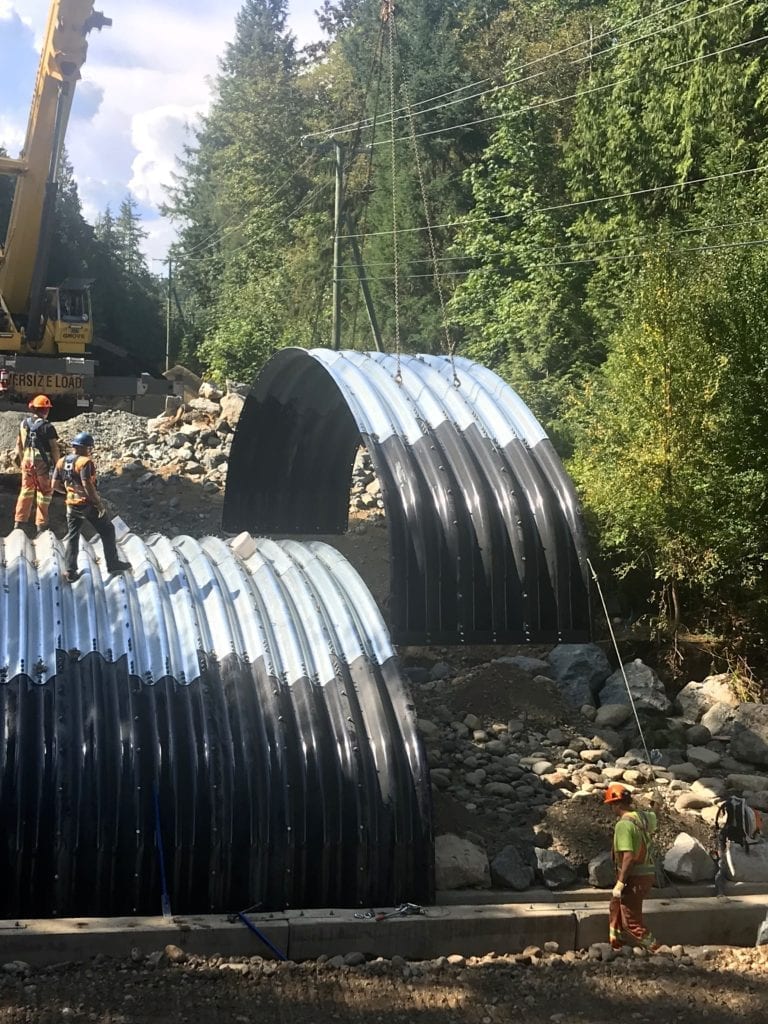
(617, 890)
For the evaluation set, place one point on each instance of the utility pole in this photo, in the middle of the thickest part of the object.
(338, 218)
(168, 316)
(342, 220)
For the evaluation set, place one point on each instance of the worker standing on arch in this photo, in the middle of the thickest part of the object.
(37, 452)
(75, 476)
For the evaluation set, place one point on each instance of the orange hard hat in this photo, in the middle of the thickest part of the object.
(40, 402)
(615, 793)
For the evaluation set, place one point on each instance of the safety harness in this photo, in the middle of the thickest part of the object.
(36, 438)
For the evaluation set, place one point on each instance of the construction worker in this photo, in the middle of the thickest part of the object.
(635, 869)
(75, 476)
(37, 451)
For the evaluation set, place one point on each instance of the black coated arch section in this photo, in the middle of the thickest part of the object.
(483, 547)
(292, 453)
(295, 795)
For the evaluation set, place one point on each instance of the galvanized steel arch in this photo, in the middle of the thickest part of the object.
(486, 538)
(248, 691)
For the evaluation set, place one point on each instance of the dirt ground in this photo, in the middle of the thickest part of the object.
(716, 986)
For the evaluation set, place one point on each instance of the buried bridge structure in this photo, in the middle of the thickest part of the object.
(485, 532)
(225, 725)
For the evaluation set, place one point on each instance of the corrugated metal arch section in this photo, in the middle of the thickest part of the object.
(254, 685)
(486, 538)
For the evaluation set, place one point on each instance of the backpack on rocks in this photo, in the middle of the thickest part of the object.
(738, 823)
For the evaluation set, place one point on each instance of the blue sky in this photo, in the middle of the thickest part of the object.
(145, 80)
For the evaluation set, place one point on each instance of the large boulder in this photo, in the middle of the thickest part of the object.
(688, 861)
(554, 869)
(231, 407)
(511, 870)
(749, 741)
(719, 720)
(602, 873)
(209, 391)
(579, 670)
(460, 864)
(645, 686)
(750, 865)
(744, 783)
(695, 699)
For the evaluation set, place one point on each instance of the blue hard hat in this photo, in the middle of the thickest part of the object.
(83, 440)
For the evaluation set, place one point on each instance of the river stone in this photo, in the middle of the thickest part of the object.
(645, 686)
(702, 757)
(698, 735)
(691, 802)
(745, 782)
(713, 789)
(750, 734)
(686, 771)
(613, 715)
(579, 670)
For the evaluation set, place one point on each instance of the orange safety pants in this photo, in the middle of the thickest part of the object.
(626, 914)
(36, 490)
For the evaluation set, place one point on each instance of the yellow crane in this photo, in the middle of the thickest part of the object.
(54, 322)
(45, 332)
(45, 321)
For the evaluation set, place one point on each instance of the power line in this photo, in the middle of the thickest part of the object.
(595, 259)
(572, 96)
(515, 247)
(307, 199)
(582, 202)
(529, 78)
(590, 41)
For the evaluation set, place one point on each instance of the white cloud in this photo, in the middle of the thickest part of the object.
(12, 134)
(158, 136)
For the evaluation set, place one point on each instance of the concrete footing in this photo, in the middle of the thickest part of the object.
(302, 935)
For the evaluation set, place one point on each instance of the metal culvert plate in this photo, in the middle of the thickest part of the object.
(245, 694)
(485, 532)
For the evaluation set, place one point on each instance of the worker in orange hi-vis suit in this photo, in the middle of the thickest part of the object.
(37, 451)
(635, 869)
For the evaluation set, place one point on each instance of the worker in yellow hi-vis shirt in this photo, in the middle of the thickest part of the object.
(635, 870)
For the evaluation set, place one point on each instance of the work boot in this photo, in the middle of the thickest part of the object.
(43, 529)
(74, 575)
(118, 567)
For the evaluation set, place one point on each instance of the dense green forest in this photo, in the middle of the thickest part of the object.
(571, 192)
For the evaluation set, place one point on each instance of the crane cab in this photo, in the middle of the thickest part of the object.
(69, 317)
